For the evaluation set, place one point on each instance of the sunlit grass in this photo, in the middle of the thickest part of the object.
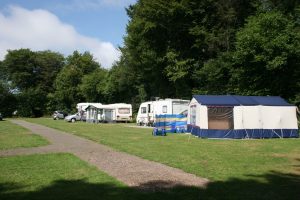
(66, 177)
(213, 159)
(14, 136)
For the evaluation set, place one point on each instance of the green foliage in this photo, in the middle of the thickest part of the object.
(93, 86)
(21, 68)
(83, 61)
(168, 42)
(172, 49)
(214, 77)
(8, 102)
(31, 75)
(31, 102)
(67, 92)
(26, 68)
(264, 61)
(268, 51)
(81, 79)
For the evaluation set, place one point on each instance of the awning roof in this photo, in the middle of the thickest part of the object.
(234, 100)
(105, 107)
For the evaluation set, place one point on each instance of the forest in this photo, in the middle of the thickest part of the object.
(172, 49)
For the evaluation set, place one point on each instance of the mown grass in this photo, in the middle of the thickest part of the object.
(14, 136)
(66, 177)
(243, 169)
(218, 160)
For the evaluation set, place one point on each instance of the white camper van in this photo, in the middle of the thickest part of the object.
(148, 110)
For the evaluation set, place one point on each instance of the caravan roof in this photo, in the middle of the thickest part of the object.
(106, 107)
(235, 100)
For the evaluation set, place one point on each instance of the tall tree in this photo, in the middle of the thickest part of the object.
(67, 84)
(168, 42)
(8, 102)
(67, 93)
(267, 56)
(93, 86)
(85, 62)
(31, 75)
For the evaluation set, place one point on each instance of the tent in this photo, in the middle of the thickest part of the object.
(232, 116)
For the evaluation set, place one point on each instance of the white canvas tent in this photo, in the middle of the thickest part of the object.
(231, 116)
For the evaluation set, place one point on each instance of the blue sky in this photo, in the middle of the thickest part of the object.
(97, 26)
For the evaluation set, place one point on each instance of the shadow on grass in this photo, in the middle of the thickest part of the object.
(273, 185)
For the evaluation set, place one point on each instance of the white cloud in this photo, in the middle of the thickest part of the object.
(41, 30)
(121, 3)
(94, 4)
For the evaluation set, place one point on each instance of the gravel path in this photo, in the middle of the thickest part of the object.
(129, 169)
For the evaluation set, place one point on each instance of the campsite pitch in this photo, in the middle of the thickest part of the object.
(213, 159)
(131, 170)
(39, 180)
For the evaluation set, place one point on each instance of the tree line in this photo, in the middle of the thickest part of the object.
(174, 49)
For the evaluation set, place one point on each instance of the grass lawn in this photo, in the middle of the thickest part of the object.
(14, 136)
(218, 160)
(65, 177)
(239, 169)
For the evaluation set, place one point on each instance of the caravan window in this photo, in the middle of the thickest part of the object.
(143, 110)
(179, 106)
(165, 109)
(124, 110)
(193, 114)
(220, 117)
(149, 108)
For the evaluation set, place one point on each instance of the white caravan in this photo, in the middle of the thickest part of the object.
(122, 112)
(148, 110)
(119, 112)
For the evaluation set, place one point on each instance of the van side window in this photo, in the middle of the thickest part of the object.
(143, 110)
(164, 109)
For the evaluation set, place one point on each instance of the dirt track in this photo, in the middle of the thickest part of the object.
(129, 169)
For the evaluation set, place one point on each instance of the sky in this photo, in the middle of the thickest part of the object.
(97, 26)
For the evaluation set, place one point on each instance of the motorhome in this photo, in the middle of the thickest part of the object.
(148, 110)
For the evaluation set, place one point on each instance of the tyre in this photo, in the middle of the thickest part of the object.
(73, 120)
